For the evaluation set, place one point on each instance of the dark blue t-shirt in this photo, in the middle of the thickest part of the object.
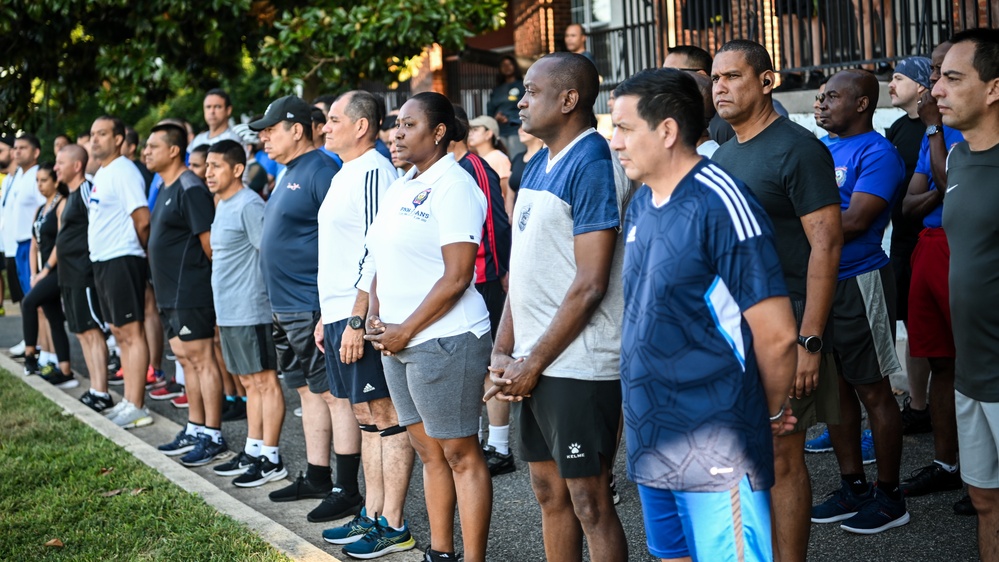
(866, 163)
(694, 406)
(289, 251)
(951, 137)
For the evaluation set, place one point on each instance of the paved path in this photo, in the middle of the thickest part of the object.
(935, 533)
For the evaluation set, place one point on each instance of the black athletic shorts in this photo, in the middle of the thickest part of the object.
(121, 289)
(492, 292)
(82, 308)
(189, 324)
(863, 316)
(361, 381)
(571, 421)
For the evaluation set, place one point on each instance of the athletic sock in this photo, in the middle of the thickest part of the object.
(271, 453)
(253, 447)
(499, 438)
(44, 358)
(101, 394)
(194, 429)
(214, 433)
(951, 468)
(243, 398)
(347, 467)
(858, 483)
(890, 489)
(482, 430)
(230, 398)
(318, 474)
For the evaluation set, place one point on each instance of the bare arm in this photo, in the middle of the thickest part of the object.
(593, 252)
(140, 219)
(860, 215)
(206, 242)
(920, 200)
(929, 113)
(774, 342)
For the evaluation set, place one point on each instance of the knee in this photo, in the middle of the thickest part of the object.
(985, 501)
(363, 415)
(587, 507)
(546, 491)
(788, 463)
(462, 458)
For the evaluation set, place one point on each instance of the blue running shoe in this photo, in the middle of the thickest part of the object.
(841, 504)
(820, 444)
(380, 540)
(204, 452)
(351, 531)
(880, 514)
(181, 444)
(867, 447)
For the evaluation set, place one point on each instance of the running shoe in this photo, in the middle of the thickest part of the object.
(234, 410)
(155, 378)
(204, 452)
(114, 362)
(167, 391)
(110, 414)
(867, 447)
(879, 514)
(48, 370)
(821, 444)
(497, 462)
(182, 443)
(131, 416)
(841, 504)
(964, 506)
(95, 402)
(616, 497)
(236, 466)
(180, 401)
(118, 378)
(302, 488)
(298, 412)
(17, 351)
(430, 555)
(351, 531)
(381, 539)
(59, 379)
(260, 473)
(31, 366)
(915, 421)
(930, 479)
(336, 505)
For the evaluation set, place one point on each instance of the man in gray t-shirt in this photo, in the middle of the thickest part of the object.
(243, 312)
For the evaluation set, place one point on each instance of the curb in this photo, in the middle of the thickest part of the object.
(279, 536)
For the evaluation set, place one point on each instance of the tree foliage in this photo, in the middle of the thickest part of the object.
(340, 44)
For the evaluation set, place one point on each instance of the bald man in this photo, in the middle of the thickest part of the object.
(870, 174)
(76, 274)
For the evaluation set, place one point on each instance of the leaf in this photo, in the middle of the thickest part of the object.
(137, 491)
(55, 542)
(112, 493)
(106, 471)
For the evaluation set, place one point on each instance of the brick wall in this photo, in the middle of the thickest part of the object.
(539, 26)
(975, 13)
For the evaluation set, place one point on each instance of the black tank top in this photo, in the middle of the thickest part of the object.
(75, 269)
(46, 229)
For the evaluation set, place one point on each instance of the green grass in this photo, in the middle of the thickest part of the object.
(51, 486)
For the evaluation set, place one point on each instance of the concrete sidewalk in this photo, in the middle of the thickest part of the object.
(934, 533)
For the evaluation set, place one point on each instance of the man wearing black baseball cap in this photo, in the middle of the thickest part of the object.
(289, 258)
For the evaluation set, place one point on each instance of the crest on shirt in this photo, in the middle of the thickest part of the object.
(840, 175)
(513, 94)
(294, 186)
(524, 215)
(421, 197)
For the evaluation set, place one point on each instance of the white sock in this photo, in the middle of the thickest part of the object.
(270, 452)
(214, 434)
(499, 438)
(482, 430)
(951, 468)
(179, 377)
(44, 358)
(194, 429)
(253, 446)
(101, 394)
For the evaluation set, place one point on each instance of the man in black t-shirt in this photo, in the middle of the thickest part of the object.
(76, 275)
(792, 175)
(180, 262)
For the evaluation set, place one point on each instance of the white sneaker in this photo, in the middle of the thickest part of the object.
(298, 411)
(110, 414)
(17, 350)
(131, 417)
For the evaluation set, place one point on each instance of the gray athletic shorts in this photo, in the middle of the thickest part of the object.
(248, 350)
(299, 360)
(978, 437)
(439, 382)
(863, 316)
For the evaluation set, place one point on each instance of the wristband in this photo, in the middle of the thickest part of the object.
(777, 416)
(46, 266)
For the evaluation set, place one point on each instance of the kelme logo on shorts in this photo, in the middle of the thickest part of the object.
(574, 451)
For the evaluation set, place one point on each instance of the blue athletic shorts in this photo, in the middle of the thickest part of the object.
(23, 259)
(702, 525)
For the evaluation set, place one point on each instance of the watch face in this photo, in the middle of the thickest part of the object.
(813, 344)
(355, 322)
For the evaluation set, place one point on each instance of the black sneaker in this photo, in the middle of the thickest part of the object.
(31, 365)
(95, 402)
(260, 473)
(114, 363)
(930, 479)
(434, 556)
(234, 411)
(237, 465)
(915, 421)
(615, 497)
(300, 489)
(337, 505)
(964, 506)
(497, 462)
(59, 379)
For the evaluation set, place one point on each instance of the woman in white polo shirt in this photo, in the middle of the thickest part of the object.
(430, 323)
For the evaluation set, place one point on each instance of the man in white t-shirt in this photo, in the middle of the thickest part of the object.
(353, 366)
(117, 234)
(20, 203)
(218, 109)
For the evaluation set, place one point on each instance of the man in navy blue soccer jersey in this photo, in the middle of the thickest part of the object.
(708, 340)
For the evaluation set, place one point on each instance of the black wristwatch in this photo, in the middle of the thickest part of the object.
(355, 322)
(932, 130)
(812, 344)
